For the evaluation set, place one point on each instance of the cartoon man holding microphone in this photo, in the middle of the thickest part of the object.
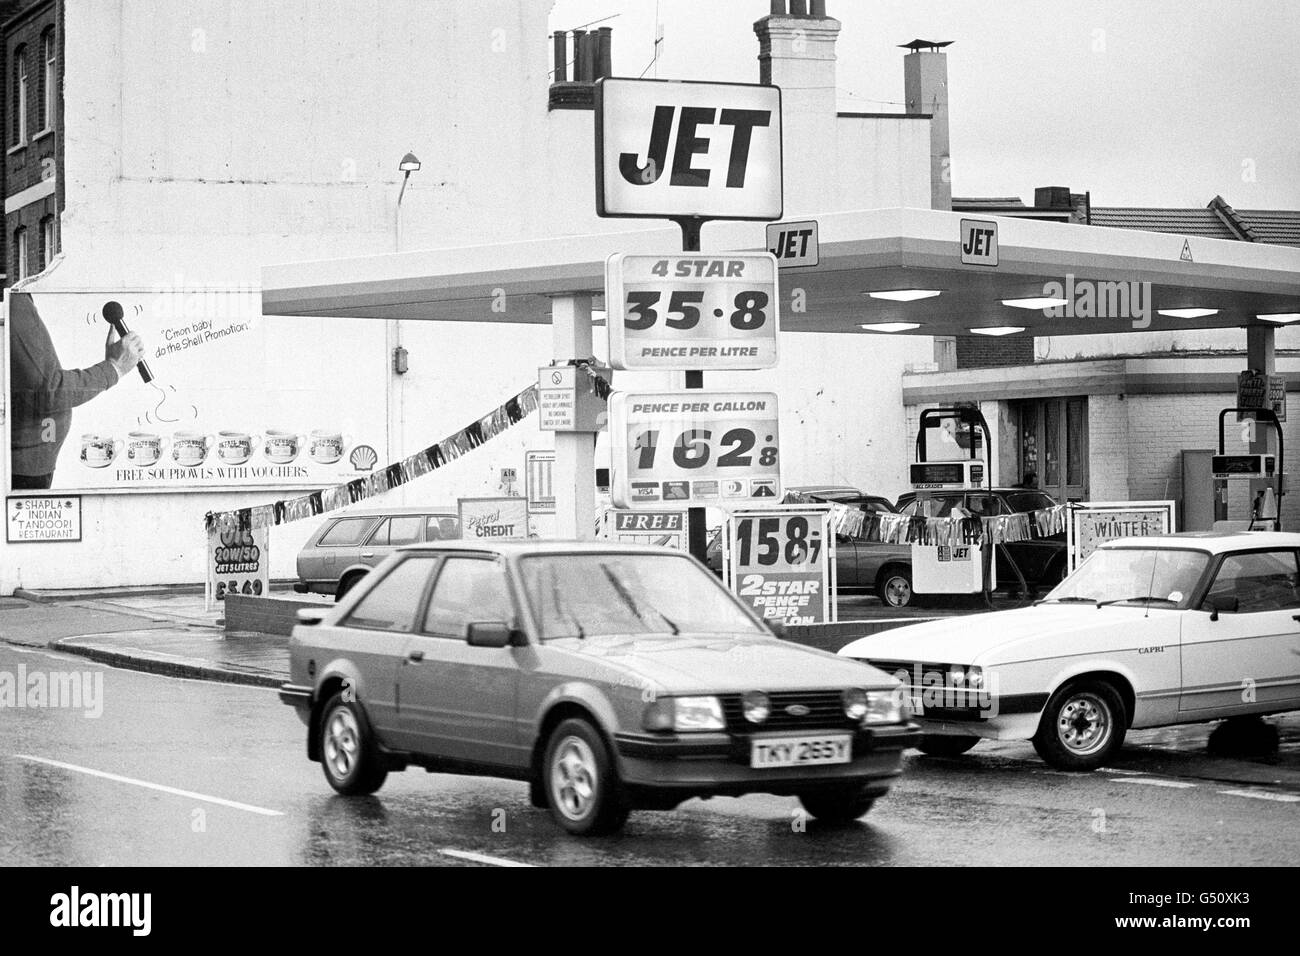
(44, 393)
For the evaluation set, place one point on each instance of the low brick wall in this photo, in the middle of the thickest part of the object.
(831, 637)
(266, 615)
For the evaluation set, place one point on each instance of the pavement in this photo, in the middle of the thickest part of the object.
(170, 631)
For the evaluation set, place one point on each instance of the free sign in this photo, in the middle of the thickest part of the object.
(670, 149)
(694, 448)
(692, 311)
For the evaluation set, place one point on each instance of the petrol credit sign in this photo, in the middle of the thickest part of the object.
(691, 449)
(692, 311)
(670, 149)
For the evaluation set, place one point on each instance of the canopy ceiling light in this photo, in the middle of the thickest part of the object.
(1187, 313)
(1036, 302)
(1282, 318)
(905, 295)
(999, 330)
(891, 326)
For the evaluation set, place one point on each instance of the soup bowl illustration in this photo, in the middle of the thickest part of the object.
(326, 447)
(143, 449)
(190, 448)
(235, 447)
(99, 451)
(281, 447)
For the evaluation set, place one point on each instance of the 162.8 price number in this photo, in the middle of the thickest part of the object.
(801, 545)
(694, 448)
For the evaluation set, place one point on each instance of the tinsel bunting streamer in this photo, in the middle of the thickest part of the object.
(959, 529)
(399, 473)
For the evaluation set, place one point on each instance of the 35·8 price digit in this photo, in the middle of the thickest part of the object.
(750, 310)
(693, 449)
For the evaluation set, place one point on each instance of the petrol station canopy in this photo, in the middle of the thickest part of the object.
(861, 252)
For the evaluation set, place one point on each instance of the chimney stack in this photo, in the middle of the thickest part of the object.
(925, 88)
(592, 59)
(796, 51)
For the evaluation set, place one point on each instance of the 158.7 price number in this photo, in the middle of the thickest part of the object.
(801, 543)
(749, 310)
(693, 448)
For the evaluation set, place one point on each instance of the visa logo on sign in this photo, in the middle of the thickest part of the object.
(668, 149)
(979, 242)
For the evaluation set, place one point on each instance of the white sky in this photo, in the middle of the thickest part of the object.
(1143, 102)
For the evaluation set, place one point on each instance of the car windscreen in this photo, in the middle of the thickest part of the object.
(1154, 577)
(580, 595)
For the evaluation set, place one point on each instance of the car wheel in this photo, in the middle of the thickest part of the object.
(1083, 724)
(838, 806)
(582, 789)
(943, 745)
(347, 584)
(895, 587)
(347, 749)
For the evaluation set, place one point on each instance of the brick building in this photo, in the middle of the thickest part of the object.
(33, 131)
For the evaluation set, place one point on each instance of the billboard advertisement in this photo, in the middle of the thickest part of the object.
(220, 397)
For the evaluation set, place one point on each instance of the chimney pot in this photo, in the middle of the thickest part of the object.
(559, 43)
(604, 52)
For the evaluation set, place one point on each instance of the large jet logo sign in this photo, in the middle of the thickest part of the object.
(667, 149)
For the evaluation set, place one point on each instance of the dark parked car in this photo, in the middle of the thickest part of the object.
(610, 678)
(859, 564)
(1042, 561)
(346, 547)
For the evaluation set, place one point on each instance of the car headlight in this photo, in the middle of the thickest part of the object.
(856, 703)
(685, 714)
(757, 706)
(884, 707)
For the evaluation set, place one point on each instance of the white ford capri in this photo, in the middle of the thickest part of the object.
(1147, 632)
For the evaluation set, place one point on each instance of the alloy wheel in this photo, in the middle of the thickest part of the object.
(574, 778)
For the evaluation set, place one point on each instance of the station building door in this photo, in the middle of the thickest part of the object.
(1053, 445)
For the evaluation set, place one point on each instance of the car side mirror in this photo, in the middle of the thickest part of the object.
(311, 615)
(489, 634)
(1226, 603)
(778, 629)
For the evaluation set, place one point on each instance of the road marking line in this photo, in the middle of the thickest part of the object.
(1263, 795)
(480, 858)
(1153, 782)
(234, 805)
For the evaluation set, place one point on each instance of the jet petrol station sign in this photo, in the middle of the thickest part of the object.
(668, 149)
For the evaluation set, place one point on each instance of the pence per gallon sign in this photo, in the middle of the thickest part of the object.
(668, 149)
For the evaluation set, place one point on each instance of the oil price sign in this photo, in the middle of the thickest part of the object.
(692, 311)
(694, 449)
(780, 564)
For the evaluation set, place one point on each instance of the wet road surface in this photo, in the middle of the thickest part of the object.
(187, 772)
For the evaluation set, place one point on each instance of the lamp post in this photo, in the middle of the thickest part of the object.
(408, 165)
(396, 351)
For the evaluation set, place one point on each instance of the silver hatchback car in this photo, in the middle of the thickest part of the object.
(348, 545)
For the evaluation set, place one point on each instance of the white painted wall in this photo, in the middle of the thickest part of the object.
(205, 140)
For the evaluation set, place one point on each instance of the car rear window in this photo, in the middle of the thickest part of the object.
(345, 532)
(400, 529)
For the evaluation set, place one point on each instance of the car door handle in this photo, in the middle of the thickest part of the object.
(415, 656)
(1295, 617)
(367, 554)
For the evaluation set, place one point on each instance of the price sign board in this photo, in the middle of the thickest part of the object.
(669, 149)
(238, 562)
(780, 563)
(692, 311)
(690, 449)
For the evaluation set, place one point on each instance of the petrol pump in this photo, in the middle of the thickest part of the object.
(953, 449)
(1265, 507)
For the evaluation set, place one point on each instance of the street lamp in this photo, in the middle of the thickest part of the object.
(408, 165)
